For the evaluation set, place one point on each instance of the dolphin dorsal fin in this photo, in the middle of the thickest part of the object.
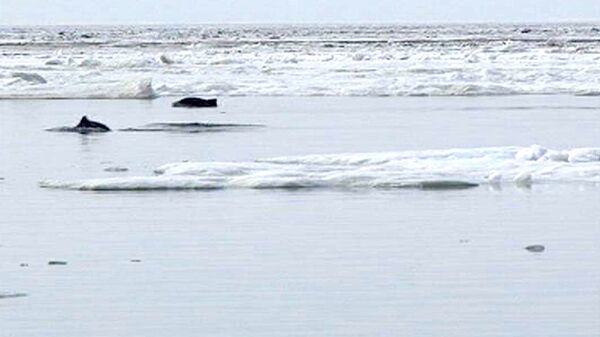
(84, 122)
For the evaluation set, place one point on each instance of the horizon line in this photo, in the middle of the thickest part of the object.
(310, 23)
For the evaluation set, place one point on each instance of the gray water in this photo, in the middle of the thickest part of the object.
(312, 262)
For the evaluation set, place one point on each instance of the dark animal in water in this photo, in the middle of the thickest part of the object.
(93, 126)
(535, 248)
(85, 126)
(195, 102)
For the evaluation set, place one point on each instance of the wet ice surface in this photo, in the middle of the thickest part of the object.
(296, 262)
(334, 60)
(430, 169)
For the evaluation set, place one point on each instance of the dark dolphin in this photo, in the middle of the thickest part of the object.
(85, 126)
(85, 123)
(535, 248)
(195, 102)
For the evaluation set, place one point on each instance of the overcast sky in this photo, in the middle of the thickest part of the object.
(297, 11)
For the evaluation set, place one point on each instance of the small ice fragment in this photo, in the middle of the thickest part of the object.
(556, 156)
(554, 43)
(89, 63)
(535, 248)
(523, 179)
(494, 178)
(166, 59)
(359, 57)
(54, 62)
(584, 155)
(534, 152)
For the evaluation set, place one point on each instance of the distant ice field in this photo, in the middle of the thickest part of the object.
(124, 62)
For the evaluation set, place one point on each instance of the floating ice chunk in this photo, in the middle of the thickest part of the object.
(428, 169)
(166, 59)
(136, 184)
(90, 63)
(555, 43)
(208, 169)
(359, 57)
(534, 152)
(583, 155)
(137, 89)
(220, 87)
(54, 62)
(494, 178)
(523, 179)
(473, 58)
(291, 59)
(556, 156)
(226, 61)
(587, 92)
(134, 89)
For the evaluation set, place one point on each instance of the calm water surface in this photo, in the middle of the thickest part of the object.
(311, 262)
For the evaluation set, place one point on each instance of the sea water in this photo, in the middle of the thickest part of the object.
(355, 180)
(343, 259)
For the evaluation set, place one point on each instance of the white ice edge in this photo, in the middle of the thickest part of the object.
(451, 168)
(132, 89)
